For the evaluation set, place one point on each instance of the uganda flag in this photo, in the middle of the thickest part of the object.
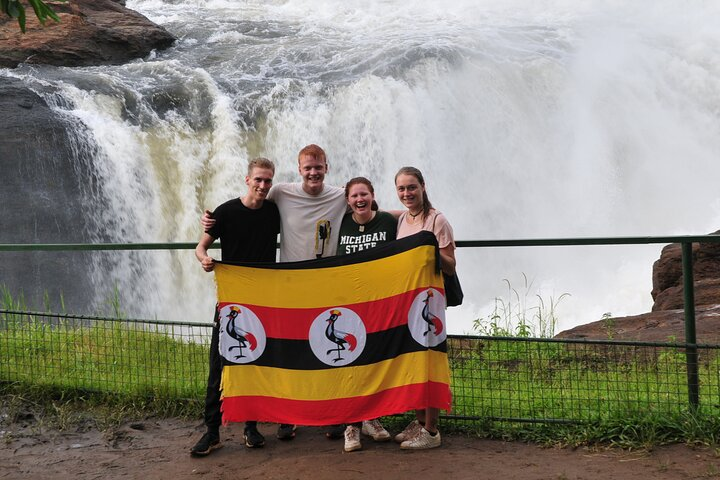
(335, 340)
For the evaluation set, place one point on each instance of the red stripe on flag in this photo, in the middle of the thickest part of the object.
(294, 323)
(341, 410)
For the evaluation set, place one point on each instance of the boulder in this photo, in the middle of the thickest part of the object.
(90, 32)
(667, 276)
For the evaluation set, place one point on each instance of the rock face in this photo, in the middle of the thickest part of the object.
(41, 198)
(91, 32)
(666, 321)
(43, 178)
(660, 326)
(667, 276)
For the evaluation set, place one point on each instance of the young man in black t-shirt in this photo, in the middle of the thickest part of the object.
(247, 228)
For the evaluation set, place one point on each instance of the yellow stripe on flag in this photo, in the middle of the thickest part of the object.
(332, 383)
(330, 286)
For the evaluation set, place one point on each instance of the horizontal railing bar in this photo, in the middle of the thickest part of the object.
(589, 241)
(583, 341)
(510, 419)
(630, 343)
(54, 247)
(532, 242)
(104, 319)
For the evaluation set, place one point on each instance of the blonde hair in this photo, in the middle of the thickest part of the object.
(260, 162)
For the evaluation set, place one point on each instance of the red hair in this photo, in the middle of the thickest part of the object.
(314, 151)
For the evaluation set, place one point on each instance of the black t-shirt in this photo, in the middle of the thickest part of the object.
(246, 235)
(355, 238)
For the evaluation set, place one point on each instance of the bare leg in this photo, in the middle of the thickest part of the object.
(432, 415)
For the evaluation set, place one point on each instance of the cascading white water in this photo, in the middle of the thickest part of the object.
(529, 119)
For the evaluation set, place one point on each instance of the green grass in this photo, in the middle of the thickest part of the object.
(520, 314)
(629, 396)
(117, 357)
(624, 396)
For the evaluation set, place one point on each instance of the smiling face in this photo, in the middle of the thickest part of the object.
(259, 182)
(360, 200)
(312, 170)
(410, 192)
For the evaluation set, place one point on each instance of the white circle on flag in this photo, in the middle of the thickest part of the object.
(426, 318)
(337, 336)
(242, 335)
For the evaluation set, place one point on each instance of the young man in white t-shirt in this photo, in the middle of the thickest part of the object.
(310, 212)
(310, 217)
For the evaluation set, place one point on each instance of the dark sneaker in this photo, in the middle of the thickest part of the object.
(253, 438)
(206, 444)
(335, 432)
(286, 432)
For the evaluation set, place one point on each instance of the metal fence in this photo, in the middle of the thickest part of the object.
(492, 378)
(137, 358)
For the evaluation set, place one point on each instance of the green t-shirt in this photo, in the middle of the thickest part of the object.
(355, 238)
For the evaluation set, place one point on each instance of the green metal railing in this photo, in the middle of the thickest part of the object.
(493, 378)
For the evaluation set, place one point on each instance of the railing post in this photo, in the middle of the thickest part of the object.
(691, 354)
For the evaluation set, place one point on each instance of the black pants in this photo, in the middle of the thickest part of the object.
(213, 417)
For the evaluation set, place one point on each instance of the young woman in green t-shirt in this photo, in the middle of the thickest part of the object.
(363, 227)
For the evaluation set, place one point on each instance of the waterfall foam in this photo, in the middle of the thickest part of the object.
(529, 119)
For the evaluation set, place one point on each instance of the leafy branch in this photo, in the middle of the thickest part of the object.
(15, 9)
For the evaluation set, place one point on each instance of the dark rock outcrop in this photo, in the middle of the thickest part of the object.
(41, 198)
(91, 32)
(668, 279)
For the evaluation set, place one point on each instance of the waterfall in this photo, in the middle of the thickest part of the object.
(529, 120)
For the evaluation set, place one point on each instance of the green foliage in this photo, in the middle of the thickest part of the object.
(566, 393)
(67, 410)
(9, 302)
(572, 393)
(133, 360)
(113, 304)
(608, 324)
(16, 9)
(515, 317)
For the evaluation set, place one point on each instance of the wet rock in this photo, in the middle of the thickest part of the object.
(91, 32)
(41, 199)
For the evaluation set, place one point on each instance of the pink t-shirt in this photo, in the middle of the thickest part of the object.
(435, 222)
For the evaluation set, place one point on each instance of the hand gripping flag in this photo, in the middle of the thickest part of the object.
(334, 340)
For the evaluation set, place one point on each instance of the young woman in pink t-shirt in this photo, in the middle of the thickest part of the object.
(422, 433)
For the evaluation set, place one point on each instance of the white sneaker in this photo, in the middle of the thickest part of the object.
(373, 428)
(422, 441)
(352, 439)
(410, 431)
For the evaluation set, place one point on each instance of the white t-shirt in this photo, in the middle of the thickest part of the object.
(305, 220)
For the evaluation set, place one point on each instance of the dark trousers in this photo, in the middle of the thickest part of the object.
(213, 416)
